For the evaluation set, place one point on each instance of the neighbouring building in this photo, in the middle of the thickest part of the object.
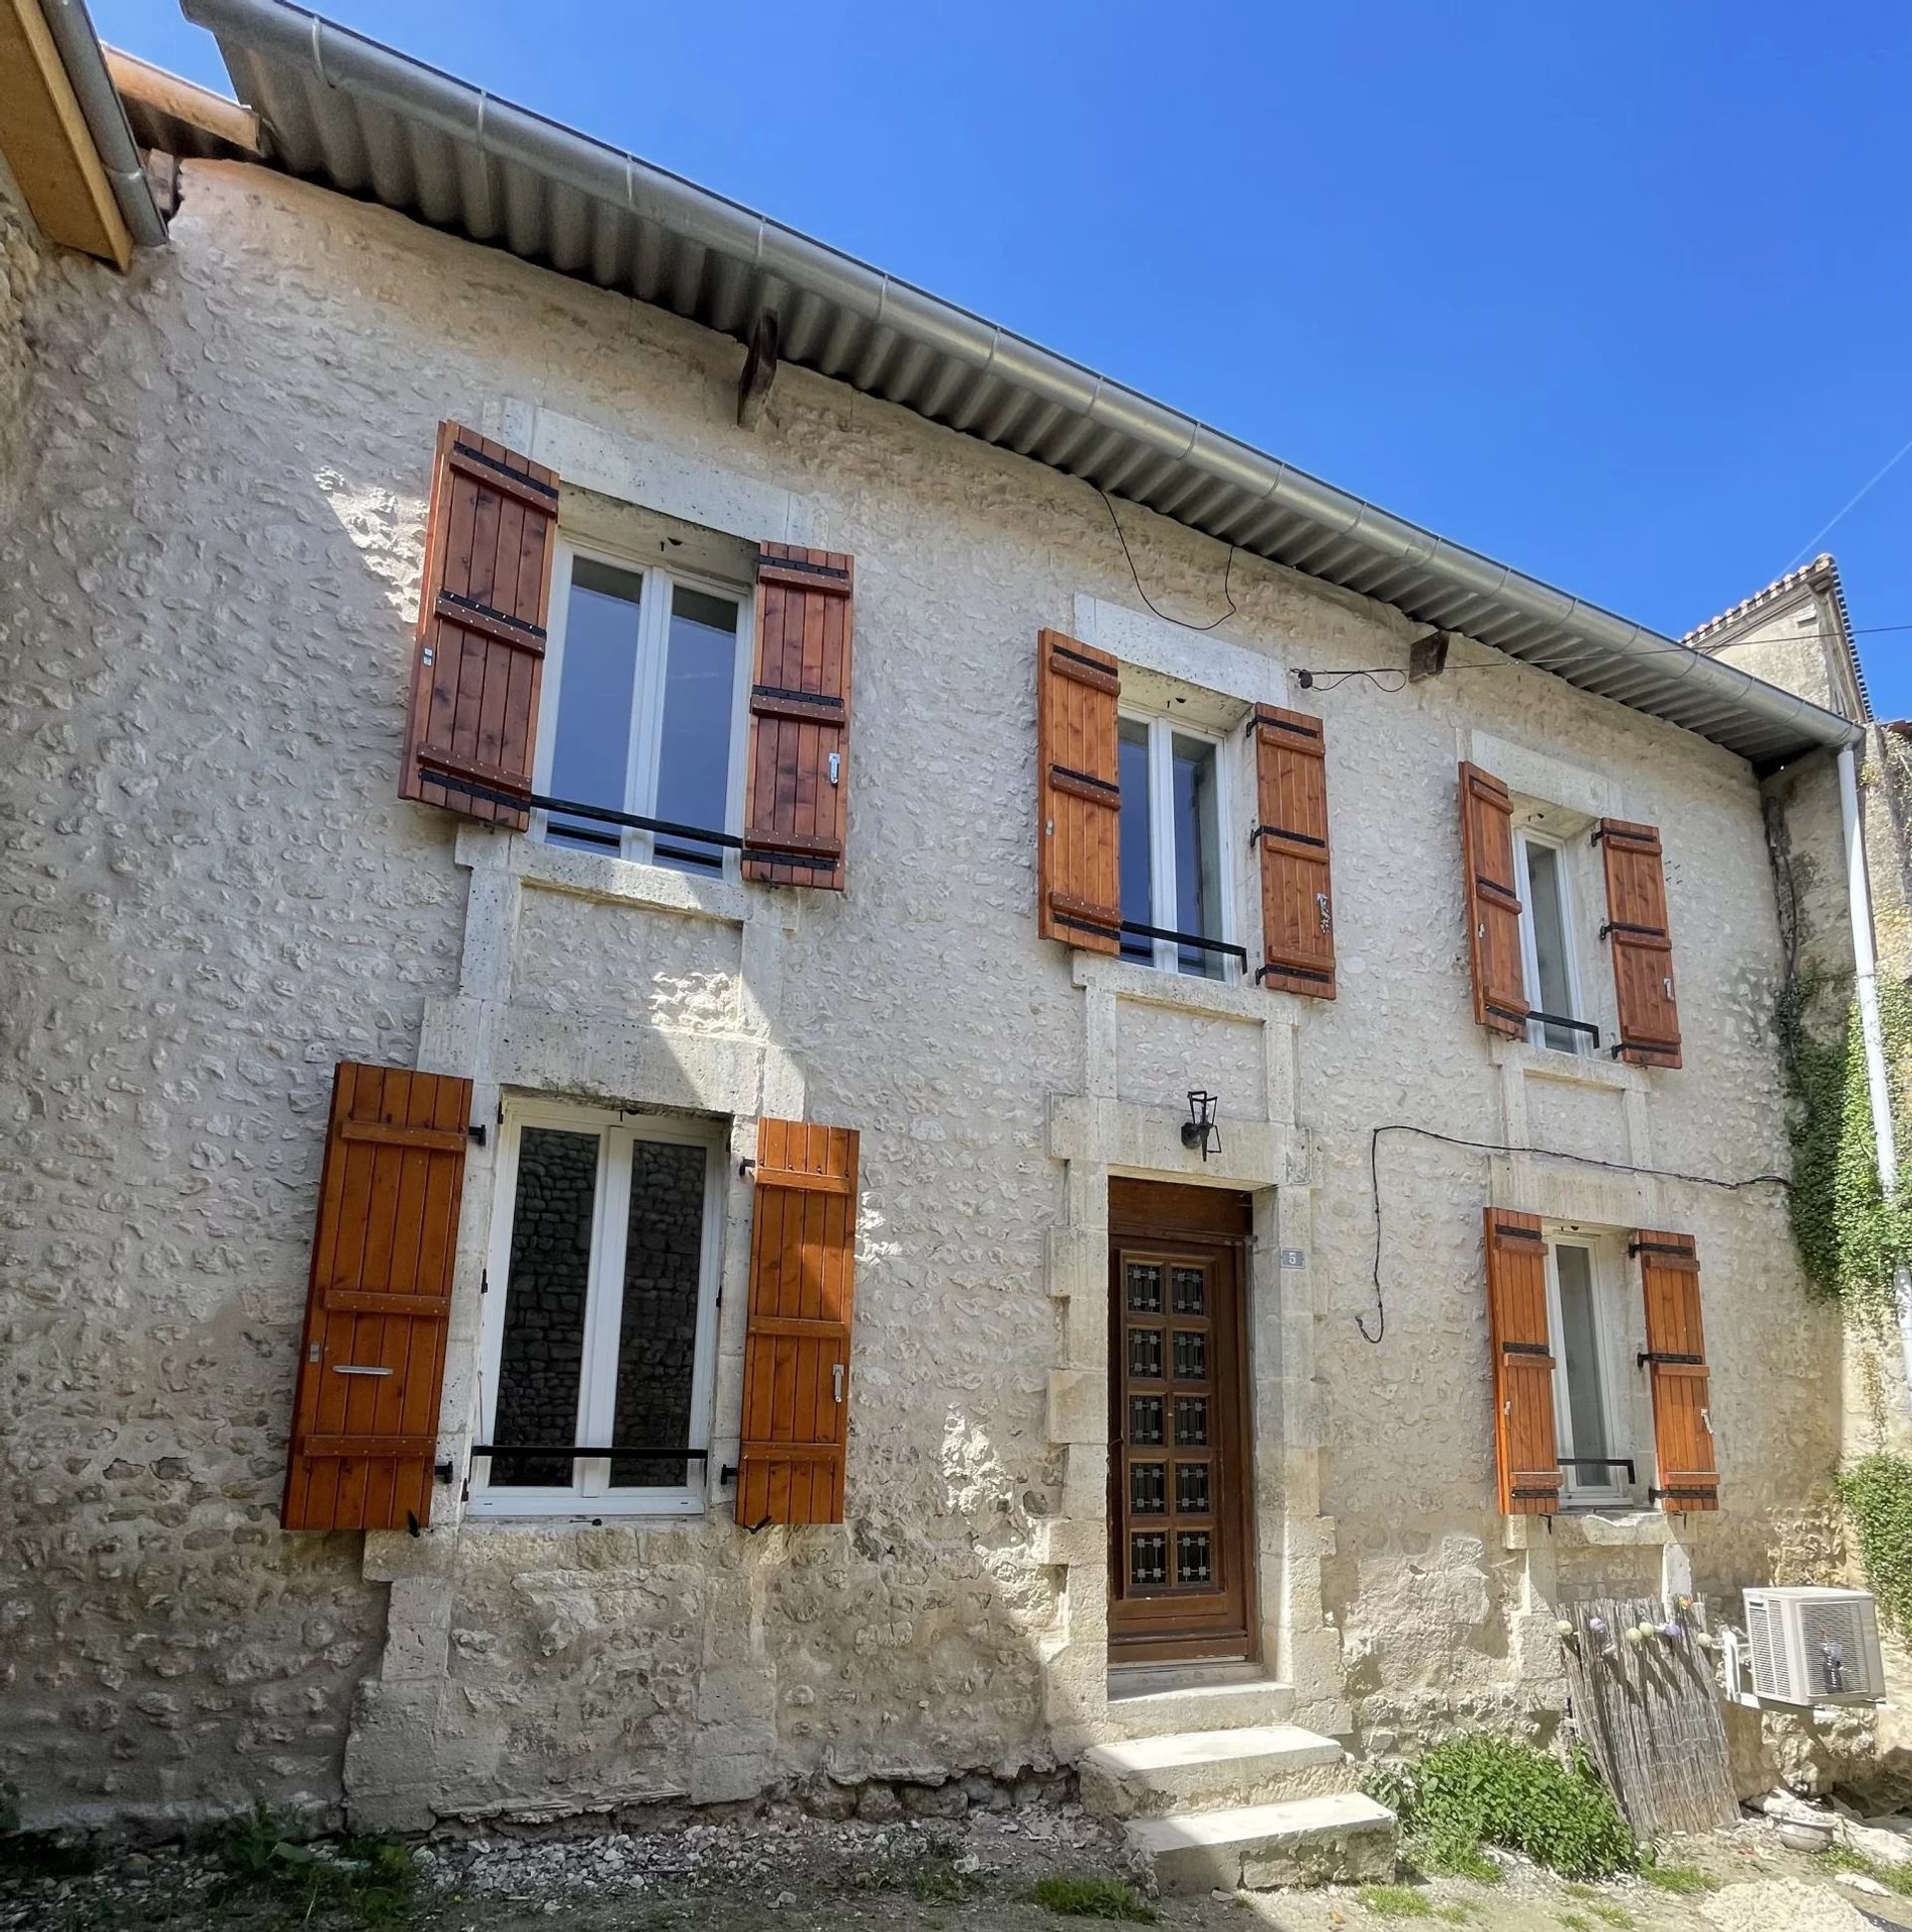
(743, 1052)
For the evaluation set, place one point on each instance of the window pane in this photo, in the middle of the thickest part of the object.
(1138, 901)
(590, 747)
(658, 1326)
(541, 1361)
(1580, 1364)
(693, 762)
(1198, 888)
(1547, 910)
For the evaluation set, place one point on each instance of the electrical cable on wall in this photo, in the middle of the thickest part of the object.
(1499, 1147)
(1228, 578)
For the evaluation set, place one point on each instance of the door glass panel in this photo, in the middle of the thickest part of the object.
(1546, 906)
(693, 758)
(1137, 896)
(541, 1356)
(1198, 891)
(1193, 1559)
(1146, 1353)
(1148, 1488)
(1148, 1557)
(657, 1323)
(1191, 1356)
(1580, 1364)
(1144, 1420)
(1191, 1297)
(1191, 1421)
(590, 744)
(1144, 1288)
(1191, 1487)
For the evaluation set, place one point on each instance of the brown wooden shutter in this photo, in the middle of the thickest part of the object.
(1528, 1450)
(482, 608)
(794, 817)
(1688, 1477)
(1642, 948)
(1493, 903)
(803, 1248)
(1298, 912)
(371, 1363)
(1080, 795)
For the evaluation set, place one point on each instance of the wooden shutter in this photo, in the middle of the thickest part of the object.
(802, 1246)
(1528, 1450)
(482, 608)
(1080, 794)
(371, 1363)
(1642, 948)
(1298, 914)
(794, 815)
(1689, 1476)
(1493, 903)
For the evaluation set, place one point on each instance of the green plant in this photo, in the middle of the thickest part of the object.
(369, 1879)
(1684, 1880)
(1395, 1902)
(1842, 1858)
(1458, 1861)
(1478, 1789)
(1877, 1493)
(1092, 1898)
(1576, 1922)
(1616, 1915)
(1850, 1238)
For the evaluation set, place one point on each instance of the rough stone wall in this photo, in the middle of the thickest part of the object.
(22, 254)
(213, 894)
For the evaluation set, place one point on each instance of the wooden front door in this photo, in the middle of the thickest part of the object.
(1181, 1578)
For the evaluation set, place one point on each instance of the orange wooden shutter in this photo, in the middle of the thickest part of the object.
(1525, 1441)
(1080, 794)
(1689, 1472)
(1642, 949)
(372, 1365)
(794, 815)
(1298, 914)
(482, 608)
(1493, 903)
(802, 1247)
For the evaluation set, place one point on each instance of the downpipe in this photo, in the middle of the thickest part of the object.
(1858, 894)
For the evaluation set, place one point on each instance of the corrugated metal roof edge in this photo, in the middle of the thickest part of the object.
(1783, 724)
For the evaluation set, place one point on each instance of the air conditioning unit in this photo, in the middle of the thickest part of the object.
(1814, 1647)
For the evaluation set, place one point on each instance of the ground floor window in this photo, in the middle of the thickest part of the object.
(1589, 1412)
(600, 1304)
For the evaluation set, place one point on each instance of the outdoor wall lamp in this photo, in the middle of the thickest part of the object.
(1199, 1129)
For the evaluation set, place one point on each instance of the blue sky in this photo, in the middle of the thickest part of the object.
(1621, 295)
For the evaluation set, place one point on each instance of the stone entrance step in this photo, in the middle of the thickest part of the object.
(1195, 1770)
(1307, 1841)
(1195, 1703)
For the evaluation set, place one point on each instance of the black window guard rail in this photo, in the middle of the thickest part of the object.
(604, 815)
(1194, 939)
(1597, 1462)
(1560, 1020)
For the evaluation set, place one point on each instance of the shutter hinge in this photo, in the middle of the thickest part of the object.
(484, 1282)
(1668, 1356)
(478, 1131)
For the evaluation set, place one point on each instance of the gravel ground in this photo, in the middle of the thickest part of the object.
(801, 1874)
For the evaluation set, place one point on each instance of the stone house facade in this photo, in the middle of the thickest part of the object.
(834, 1181)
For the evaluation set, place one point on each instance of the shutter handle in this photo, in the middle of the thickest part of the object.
(1320, 899)
(1706, 1416)
(1666, 980)
(835, 765)
(836, 1381)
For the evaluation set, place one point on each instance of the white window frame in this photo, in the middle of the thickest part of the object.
(1163, 729)
(647, 691)
(591, 1493)
(1576, 1489)
(1530, 947)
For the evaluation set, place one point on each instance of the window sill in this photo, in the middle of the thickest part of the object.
(1571, 1070)
(1601, 1526)
(595, 876)
(1150, 986)
(578, 1515)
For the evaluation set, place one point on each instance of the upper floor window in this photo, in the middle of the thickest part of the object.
(600, 1314)
(1548, 933)
(648, 666)
(1172, 841)
(1583, 1319)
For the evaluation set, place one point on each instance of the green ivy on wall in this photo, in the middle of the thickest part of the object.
(1877, 1493)
(1851, 1239)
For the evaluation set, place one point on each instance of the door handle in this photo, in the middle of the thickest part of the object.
(360, 1368)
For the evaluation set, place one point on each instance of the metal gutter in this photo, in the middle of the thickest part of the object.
(86, 65)
(344, 110)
